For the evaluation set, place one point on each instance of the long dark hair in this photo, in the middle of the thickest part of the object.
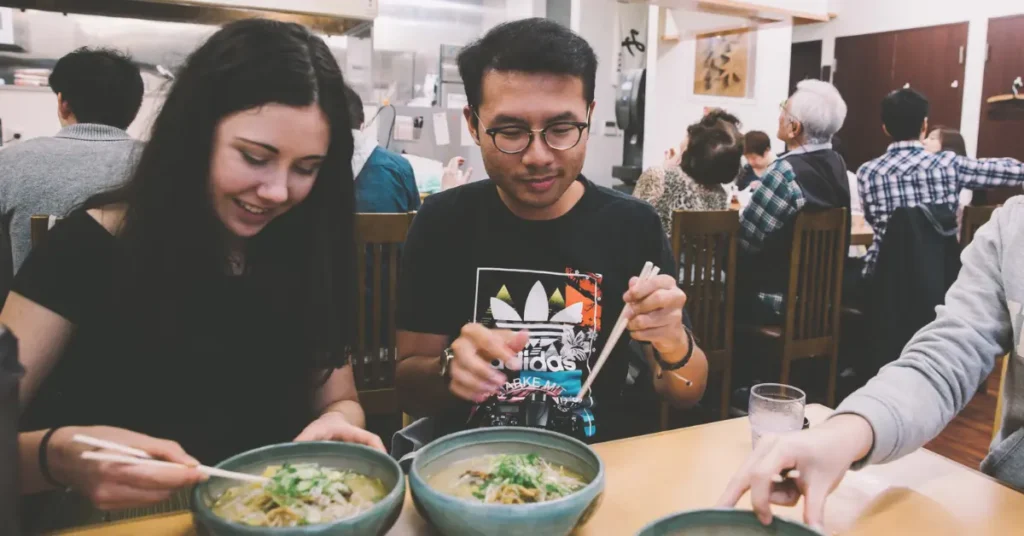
(175, 244)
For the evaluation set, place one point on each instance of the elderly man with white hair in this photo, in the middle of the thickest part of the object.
(811, 176)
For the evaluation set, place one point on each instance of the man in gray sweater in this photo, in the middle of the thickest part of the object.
(99, 93)
(914, 398)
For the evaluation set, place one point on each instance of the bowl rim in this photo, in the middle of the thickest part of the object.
(420, 482)
(201, 509)
(663, 519)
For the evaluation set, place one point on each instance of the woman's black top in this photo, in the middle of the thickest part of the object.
(233, 376)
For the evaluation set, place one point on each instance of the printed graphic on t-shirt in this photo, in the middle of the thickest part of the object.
(561, 312)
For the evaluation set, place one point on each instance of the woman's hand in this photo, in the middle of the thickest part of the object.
(112, 485)
(453, 176)
(333, 426)
(821, 455)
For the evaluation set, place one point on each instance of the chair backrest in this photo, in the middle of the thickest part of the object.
(39, 225)
(974, 217)
(704, 243)
(379, 238)
(814, 292)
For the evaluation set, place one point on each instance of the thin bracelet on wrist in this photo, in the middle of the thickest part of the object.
(44, 462)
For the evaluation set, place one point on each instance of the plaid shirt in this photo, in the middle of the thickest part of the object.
(908, 175)
(773, 204)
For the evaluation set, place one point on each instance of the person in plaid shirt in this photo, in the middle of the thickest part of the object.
(811, 176)
(907, 175)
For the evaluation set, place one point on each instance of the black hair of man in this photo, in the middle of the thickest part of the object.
(100, 86)
(903, 114)
(756, 142)
(535, 46)
(355, 107)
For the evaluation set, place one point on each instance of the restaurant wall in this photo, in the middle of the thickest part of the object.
(671, 104)
(857, 17)
(593, 21)
(32, 113)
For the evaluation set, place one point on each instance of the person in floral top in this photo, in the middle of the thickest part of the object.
(692, 180)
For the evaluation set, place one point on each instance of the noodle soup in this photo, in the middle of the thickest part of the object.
(506, 479)
(300, 494)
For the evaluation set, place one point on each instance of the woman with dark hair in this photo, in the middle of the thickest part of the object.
(709, 158)
(945, 139)
(209, 301)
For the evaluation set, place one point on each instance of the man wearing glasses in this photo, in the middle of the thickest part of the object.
(511, 285)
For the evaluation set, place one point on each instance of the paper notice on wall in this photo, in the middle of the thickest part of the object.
(441, 135)
(404, 128)
(467, 136)
(456, 101)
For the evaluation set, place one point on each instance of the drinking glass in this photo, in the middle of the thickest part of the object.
(775, 409)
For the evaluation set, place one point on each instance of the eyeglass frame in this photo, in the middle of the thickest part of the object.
(493, 132)
(789, 115)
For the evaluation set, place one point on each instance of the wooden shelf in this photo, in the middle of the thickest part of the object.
(1004, 98)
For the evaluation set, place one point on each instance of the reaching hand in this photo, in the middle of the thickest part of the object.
(672, 158)
(473, 377)
(820, 455)
(333, 426)
(453, 176)
(113, 485)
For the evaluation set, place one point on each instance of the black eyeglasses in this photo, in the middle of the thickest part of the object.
(560, 136)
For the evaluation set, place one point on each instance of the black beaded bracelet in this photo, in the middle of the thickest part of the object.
(682, 362)
(44, 463)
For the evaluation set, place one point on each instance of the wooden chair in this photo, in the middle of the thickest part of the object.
(998, 421)
(974, 218)
(704, 243)
(379, 238)
(813, 296)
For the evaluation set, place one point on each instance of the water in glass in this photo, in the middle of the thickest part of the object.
(775, 409)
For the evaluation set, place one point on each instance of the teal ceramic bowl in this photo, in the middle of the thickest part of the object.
(358, 458)
(722, 522)
(453, 516)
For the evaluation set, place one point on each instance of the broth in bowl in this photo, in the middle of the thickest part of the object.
(299, 495)
(507, 479)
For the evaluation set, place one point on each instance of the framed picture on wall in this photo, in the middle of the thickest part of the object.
(725, 64)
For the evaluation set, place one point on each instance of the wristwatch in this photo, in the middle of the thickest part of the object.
(446, 363)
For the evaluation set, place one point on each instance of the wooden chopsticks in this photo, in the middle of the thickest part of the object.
(135, 456)
(649, 271)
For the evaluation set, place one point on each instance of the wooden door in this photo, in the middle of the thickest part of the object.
(1002, 124)
(931, 60)
(868, 67)
(856, 56)
(805, 63)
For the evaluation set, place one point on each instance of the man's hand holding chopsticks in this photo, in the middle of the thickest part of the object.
(655, 312)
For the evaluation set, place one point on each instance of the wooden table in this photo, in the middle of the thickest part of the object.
(861, 233)
(653, 476)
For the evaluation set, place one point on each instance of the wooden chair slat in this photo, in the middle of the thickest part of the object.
(378, 239)
(705, 243)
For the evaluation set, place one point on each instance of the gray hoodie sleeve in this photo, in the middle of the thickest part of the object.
(912, 399)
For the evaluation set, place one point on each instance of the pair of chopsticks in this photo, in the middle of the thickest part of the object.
(135, 456)
(649, 271)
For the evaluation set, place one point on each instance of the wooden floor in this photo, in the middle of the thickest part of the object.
(966, 439)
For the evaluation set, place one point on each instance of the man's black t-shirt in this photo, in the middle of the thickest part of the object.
(469, 259)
